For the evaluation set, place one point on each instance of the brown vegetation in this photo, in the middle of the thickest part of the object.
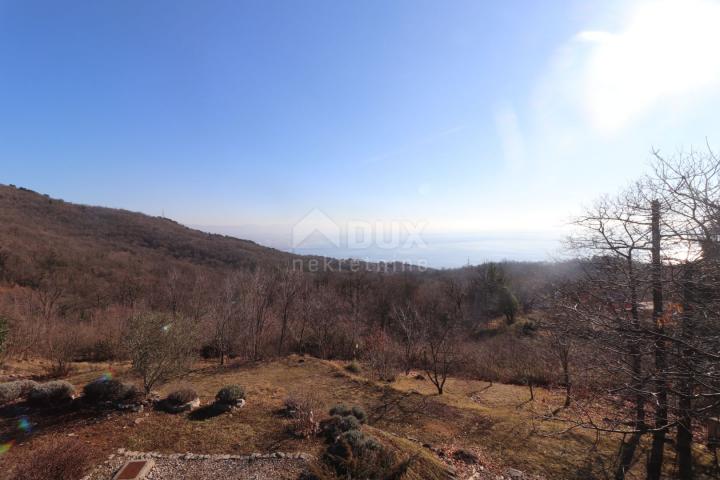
(628, 329)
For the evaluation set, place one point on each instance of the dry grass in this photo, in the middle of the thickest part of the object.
(404, 414)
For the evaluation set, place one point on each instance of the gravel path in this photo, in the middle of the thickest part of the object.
(210, 467)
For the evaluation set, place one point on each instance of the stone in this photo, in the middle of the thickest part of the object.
(465, 456)
(134, 470)
(514, 474)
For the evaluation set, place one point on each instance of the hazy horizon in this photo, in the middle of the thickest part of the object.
(489, 124)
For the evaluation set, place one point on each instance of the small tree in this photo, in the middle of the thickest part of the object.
(408, 324)
(227, 316)
(441, 312)
(160, 347)
(508, 304)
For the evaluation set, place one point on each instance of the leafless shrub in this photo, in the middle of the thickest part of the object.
(303, 411)
(382, 357)
(509, 359)
(61, 459)
(61, 345)
(160, 347)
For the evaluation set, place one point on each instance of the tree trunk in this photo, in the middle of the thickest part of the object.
(566, 374)
(657, 450)
(636, 352)
(685, 430)
(283, 329)
(532, 392)
(626, 455)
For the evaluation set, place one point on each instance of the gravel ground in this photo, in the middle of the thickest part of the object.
(209, 467)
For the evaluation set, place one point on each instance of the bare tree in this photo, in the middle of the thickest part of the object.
(688, 191)
(615, 238)
(408, 324)
(561, 328)
(160, 347)
(656, 249)
(440, 313)
(260, 296)
(227, 315)
(289, 289)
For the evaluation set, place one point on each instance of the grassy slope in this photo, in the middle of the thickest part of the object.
(492, 420)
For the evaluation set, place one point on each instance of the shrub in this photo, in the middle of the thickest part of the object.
(301, 409)
(304, 425)
(341, 410)
(344, 411)
(160, 347)
(209, 351)
(109, 390)
(299, 403)
(100, 350)
(352, 454)
(336, 425)
(181, 397)
(16, 390)
(230, 394)
(60, 347)
(51, 394)
(353, 367)
(359, 413)
(61, 459)
(355, 455)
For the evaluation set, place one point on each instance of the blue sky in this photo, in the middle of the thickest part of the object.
(488, 122)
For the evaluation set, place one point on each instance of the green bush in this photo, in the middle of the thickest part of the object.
(341, 410)
(109, 390)
(359, 413)
(51, 394)
(351, 454)
(354, 455)
(16, 390)
(336, 425)
(230, 394)
(344, 411)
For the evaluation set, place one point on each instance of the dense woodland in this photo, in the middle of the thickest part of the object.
(627, 326)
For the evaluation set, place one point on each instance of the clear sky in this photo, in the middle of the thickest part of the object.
(489, 123)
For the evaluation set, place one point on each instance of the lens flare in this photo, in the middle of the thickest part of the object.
(24, 424)
(106, 376)
(5, 447)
